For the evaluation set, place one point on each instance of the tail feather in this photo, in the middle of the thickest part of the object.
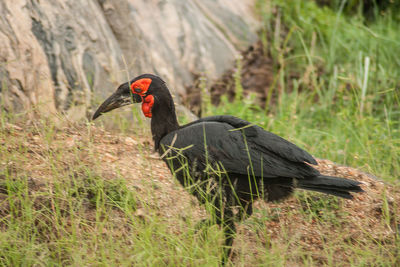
(336, 186)
(343, 194)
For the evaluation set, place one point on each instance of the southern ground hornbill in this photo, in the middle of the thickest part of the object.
(223, 160)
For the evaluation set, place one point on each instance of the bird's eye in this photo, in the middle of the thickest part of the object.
(137, 90)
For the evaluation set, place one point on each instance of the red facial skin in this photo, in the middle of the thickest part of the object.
(140, 87)
(147, 104)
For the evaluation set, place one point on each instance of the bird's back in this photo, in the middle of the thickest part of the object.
(240, 148)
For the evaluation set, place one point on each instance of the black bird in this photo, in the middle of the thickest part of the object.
(223, 160)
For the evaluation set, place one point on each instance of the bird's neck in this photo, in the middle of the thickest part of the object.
(163, 121)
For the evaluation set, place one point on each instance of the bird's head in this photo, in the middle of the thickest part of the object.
(147, 89)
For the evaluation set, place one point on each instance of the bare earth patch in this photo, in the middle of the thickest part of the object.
(307, 223)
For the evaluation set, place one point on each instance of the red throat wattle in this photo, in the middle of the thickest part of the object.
(147, 105)
(140, 87)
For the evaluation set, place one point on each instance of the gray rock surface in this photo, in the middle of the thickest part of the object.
(66, 55)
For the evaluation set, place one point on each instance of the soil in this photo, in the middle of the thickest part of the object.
(256, 76)
(132, 157)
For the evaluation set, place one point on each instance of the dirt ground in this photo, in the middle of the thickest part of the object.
(354, 221)
(256, 77)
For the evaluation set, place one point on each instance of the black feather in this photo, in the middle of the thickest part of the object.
(330, 185)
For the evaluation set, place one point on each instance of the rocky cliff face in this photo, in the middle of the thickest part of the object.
(55, 54)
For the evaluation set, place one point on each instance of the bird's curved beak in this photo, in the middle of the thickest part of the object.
(122, 97)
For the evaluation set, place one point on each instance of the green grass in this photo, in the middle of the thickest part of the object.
(337, 107)
(60, 205)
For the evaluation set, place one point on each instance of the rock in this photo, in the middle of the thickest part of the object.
(68, 55)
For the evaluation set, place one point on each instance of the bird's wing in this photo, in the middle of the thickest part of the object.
(266, 140)
(240, 148)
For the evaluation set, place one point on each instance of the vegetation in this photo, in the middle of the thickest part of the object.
(344, 104)
(77, 195)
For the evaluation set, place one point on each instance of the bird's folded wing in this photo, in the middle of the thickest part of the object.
(241, 148)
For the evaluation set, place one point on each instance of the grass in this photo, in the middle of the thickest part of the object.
(60, 206)
(344, 102)
(78, 195)
(73, 194)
